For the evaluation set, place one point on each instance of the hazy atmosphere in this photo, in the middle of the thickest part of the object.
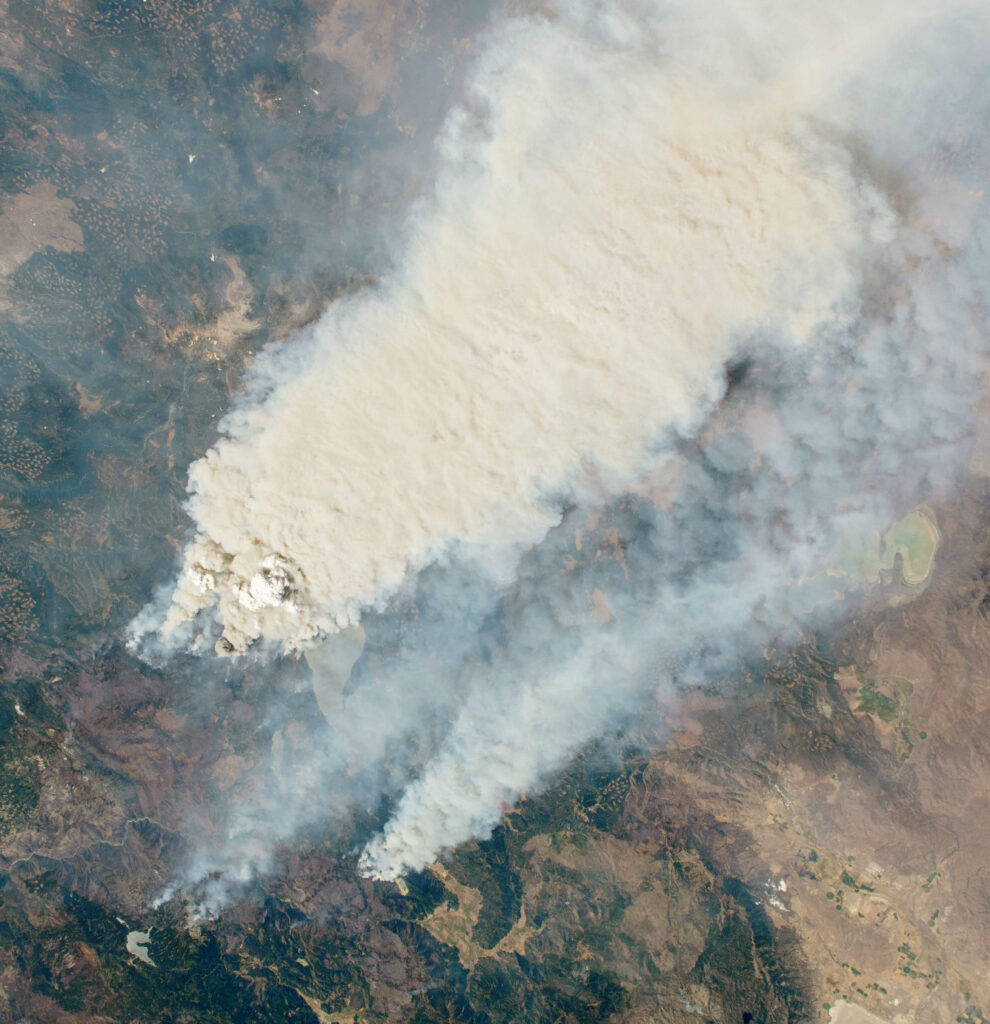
(493, 512)
(635, 204)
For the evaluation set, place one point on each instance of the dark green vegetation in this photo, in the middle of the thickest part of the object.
(890, 707)
(616, 920)
(27, 740)
(657, 925)
(189, 196)
(189, 974)
(186, 168)
(873, 702)
(187, 191)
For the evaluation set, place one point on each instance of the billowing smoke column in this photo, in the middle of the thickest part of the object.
(634, 197)
(605, 235)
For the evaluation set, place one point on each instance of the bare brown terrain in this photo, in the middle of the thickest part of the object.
(846, 787)
(808, 840)
(856, 795)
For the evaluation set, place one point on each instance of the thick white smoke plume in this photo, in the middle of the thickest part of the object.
(603, 238)
(633, 197)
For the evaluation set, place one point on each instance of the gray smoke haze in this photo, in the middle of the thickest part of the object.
(635, 200)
